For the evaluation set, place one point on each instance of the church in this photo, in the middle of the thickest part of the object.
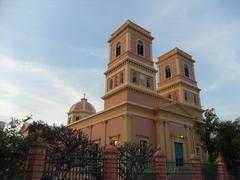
(139, 109)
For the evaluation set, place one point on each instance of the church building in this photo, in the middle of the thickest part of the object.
(137, 108)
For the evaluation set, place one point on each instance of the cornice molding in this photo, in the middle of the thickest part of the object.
(131, 25)
(133, 61)
(176, 83)
(175, 51)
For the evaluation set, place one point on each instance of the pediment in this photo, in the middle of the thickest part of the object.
(176, 108)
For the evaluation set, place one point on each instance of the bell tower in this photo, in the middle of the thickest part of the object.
(177, 78)
(130, 64)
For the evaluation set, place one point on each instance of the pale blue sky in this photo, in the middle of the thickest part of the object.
(52, 51)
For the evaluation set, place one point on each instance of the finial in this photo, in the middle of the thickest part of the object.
(84, 95)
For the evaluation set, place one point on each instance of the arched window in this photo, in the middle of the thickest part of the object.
(140, 48)
(186, 71)
(134, 77)
(111, 84)
(121, 78)
(118, 49)
(169, 96)
(167, 71)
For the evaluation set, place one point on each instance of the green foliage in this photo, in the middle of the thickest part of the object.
(13, 150)
(40, 131)
(219, 136)
(134, 159)
(228, 140)
(207, 131)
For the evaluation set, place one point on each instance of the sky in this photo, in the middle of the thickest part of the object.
(53, 51)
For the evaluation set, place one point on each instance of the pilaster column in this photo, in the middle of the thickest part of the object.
(160, 138)
(178, 66)
(168, 141)
(128, 41)
(127, 127)
(188, 141)
(192, 139)
(151, 51)
(105, 133)
(157, 124)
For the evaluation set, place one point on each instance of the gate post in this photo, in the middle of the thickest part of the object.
(196, 168)
(160, 165)
(222, 170)
(110, 163)
(35, 161)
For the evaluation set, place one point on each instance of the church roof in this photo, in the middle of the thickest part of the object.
(172, 52)
(132, 25)
(82, 105)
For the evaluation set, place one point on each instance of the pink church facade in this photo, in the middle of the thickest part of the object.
(137, 108)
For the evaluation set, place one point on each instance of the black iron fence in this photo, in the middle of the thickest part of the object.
(177, 171)
(92, 169)
(141, 170)
(209, 171)
(233, 171)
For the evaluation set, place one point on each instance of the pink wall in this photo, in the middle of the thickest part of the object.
(177, 129)
(115, 128)
(117, 98)
(143, 127)
(98, 132)
(86, 131)
(144, 99)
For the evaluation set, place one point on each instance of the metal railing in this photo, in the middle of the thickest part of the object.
(91, 170)
(209, 170)
(177, 171)
(141, 170)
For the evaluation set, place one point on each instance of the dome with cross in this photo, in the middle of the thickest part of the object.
(80, 110)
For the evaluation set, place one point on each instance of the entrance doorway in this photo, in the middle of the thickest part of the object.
(178, 153)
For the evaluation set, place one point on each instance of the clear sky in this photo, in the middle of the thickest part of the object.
(53, 51)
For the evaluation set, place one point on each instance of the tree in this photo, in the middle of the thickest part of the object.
(13, 150)
(69, 149)
(220, 136)
(133, 160)
(207, 131)
(228, 140)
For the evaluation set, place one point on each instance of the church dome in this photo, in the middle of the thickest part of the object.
(83, 106)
